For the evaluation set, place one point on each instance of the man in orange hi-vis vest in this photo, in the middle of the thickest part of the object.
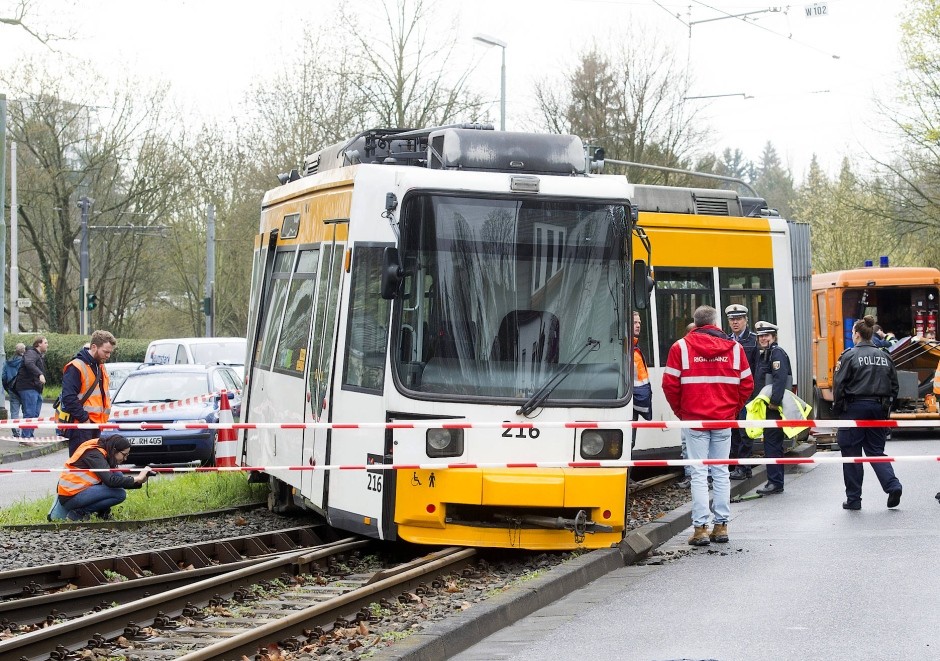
(85, 389)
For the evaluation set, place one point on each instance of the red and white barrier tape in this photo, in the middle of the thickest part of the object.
(439, 424)
(122, 413)
(637, 463)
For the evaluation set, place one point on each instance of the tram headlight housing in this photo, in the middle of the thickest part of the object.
(602, 444)
(444, 442)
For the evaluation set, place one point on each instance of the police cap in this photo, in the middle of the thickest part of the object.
(736, 310)
(765, 327)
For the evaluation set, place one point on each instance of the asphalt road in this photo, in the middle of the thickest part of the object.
(30, 486)
(802, 579)
(18, 486)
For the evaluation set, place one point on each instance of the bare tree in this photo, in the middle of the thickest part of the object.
(73, 144)
(628, 99)
(914, 172)
(308, 104)
(18, 16)
(223, 173)
(412, 77)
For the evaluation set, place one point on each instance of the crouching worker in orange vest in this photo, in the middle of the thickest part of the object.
(87, 486)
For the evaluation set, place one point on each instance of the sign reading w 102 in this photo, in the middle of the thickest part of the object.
(817, 9)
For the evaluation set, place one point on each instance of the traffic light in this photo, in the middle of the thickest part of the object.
(92, 302)
(207, 306)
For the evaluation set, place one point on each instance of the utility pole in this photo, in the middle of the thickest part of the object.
(209, 301)
(14, 247)
(84, 203)
(3, 237)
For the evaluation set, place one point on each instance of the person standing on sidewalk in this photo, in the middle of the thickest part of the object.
(707, 378)
(772, 369)
(741, 443)
(10, 371)
(865, 384)
(85, 389)
(31, 380)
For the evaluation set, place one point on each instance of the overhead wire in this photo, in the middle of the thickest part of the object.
(788, 37)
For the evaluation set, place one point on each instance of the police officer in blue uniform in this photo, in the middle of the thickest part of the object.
(865, 385)
(773, 369)
(741, 443)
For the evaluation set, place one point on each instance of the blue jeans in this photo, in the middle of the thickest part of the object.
(709, 444)
(32, 405)
(96, 498)
(685, 452)
(16, 407)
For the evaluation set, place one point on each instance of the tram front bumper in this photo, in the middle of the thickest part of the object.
(554, 508)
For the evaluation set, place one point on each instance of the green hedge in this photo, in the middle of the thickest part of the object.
(62, 348)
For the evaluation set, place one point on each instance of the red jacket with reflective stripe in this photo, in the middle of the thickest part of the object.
(707, 376)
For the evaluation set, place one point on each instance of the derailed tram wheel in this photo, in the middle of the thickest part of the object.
(280, 497)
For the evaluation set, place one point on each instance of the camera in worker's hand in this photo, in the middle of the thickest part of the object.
(151, 473)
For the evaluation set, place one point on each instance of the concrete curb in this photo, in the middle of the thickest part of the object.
(23, 453)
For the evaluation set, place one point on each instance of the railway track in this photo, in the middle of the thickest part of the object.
(291, 598)
(35, 597)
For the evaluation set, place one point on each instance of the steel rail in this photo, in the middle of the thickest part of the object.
(31, 581)
(246, 644)
(111, 623)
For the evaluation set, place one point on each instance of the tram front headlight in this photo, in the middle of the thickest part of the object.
(601, 444)
(444, 442)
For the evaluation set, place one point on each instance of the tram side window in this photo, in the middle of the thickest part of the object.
(752, 288)
(367, 333)
(295, 331)
(274, 308)
(678, 292)
(325, 320)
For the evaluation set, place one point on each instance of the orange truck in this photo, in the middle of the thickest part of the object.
(904, 301)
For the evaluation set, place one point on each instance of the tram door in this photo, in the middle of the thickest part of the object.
(321, 361)
(360, 500)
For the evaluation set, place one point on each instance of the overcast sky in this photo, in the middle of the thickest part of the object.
(805, 100)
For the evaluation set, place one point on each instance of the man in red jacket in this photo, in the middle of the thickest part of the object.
(707, 377)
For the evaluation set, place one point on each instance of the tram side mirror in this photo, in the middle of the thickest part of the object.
(392, 273)
(642, 285)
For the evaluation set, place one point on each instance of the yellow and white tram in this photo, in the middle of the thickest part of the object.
(445, 276)
(457, 279)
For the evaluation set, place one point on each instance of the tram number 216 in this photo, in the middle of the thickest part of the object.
(521, 432)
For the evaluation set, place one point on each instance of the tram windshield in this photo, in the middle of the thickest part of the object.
(511, 298)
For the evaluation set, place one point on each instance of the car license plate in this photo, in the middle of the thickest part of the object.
(146, 440)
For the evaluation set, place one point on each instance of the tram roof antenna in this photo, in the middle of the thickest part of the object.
(695, 173)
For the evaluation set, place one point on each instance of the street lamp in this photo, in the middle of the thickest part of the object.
(493, 41)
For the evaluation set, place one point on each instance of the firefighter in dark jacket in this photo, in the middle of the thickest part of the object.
(741, 443)
(773, 368)
(865, 384)
(86, 378)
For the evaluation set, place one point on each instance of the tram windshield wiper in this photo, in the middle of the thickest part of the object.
(542, 394)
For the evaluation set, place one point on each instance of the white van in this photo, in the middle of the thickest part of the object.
(198, 351)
